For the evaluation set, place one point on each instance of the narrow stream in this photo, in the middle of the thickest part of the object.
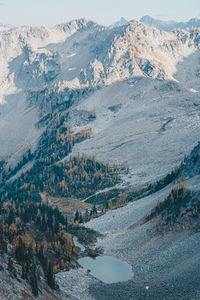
(77, 244)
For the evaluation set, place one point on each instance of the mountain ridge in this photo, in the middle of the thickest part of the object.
(170, 25)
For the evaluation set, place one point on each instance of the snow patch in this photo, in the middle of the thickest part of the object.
(72, 69)
(71, 55)
(193, 91)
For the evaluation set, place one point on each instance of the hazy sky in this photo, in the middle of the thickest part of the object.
(50, 12)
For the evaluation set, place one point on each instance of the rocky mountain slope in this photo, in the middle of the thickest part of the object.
(65, 58)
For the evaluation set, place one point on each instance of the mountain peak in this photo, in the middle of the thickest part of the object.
(146, 17)
(82, 22)
(122, 21)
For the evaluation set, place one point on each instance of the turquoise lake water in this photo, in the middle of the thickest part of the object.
(107, 269)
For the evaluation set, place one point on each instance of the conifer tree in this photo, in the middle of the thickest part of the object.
(50, 276)
(77, 216)
(33, 280)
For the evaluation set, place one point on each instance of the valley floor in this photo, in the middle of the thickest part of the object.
(165, 267)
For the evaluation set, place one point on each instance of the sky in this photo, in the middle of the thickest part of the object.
(105, 12)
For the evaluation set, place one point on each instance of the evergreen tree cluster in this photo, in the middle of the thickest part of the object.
(78, 177)
(81, 218)
(180, 210)
(38, 233)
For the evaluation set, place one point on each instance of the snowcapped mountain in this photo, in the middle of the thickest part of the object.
(18, 42)
(116, 54)
(170, 25)
(27, 63)
(119, 23)
(137, 50)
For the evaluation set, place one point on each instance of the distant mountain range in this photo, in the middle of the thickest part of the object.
(170, 25)
(6, 25)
